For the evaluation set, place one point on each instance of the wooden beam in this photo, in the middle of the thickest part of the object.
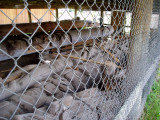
(76, 46)
(117, 20)
(102, 17)
(102, 13)
(39, 4)
(47, 26)
(140, 29)
(29, 16)
(57, 14)
(138, 49)
(75, 12)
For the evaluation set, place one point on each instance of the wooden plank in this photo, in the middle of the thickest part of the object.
(11, 13)
(67, 47)
(47, 26)
(78, 45)
(43, 14)
(22, 16)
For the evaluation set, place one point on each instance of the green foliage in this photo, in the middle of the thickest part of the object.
(152, 107)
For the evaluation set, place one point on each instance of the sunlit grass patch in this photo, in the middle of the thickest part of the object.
(152, 106)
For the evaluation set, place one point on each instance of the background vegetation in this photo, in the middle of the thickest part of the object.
(152, 107)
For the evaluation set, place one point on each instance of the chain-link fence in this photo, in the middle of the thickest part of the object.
(77, 59)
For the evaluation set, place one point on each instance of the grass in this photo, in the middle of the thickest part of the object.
(152, 106)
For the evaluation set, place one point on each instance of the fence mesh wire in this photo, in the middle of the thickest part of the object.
(78, 69)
